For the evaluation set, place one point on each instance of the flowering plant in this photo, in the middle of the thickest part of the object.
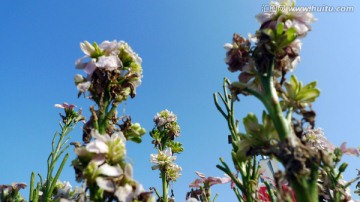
(164, 133)
(286, 131)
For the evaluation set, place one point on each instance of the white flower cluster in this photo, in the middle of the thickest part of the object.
(316, 139)
(164, 161)
(110, 56)
(106, 154)
(164, 117)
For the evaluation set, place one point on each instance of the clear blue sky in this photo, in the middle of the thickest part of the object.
(181, 44)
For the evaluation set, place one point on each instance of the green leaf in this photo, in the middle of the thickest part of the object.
(308, 94)
(310, 85)
(135, 139)
(296, 92)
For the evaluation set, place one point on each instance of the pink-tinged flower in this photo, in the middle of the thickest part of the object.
(163, 117)
(283, 12)
(209, 181)
(349, 151)
(316, 139)
(65, 105)
(14, 186)
(237, 53)
(232, 183)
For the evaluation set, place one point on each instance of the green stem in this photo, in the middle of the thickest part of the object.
(305, 188)
(271, 194)
(32, 181)
(164, 186)
(272, 103)
(216, 195)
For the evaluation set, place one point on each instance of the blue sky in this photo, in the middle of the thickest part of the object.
(181, 44)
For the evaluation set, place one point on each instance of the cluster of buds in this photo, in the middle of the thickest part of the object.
(202, 186)
(113, 72)
(12, 192)
(164, 133)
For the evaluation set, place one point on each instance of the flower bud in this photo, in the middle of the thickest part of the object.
(343, 167)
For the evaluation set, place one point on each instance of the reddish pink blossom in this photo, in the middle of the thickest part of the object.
(14, 186)
(350, 151)
(65, 105)
(209, 181)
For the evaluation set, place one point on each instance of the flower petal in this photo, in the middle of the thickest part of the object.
(105, 184)
(111, 171)
(200, 174)
(87, 48)
(97, 147)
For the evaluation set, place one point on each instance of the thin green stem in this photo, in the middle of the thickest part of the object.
(32, 181)
(164, 186)
(238, 195)
(271, 194)
(216, 195)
